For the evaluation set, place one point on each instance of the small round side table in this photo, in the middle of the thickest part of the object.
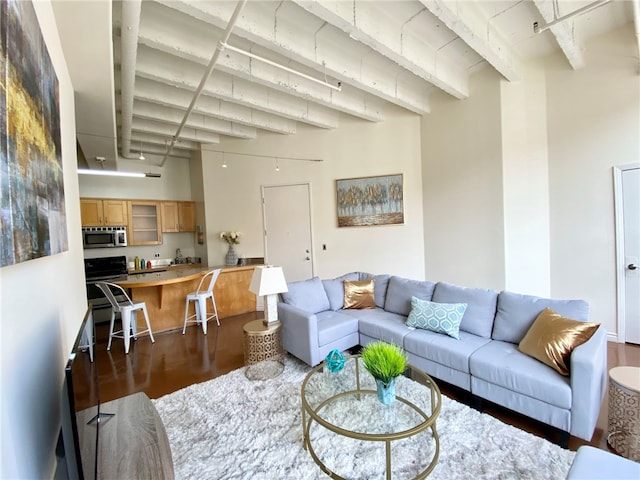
(263, 354)
(624, 411)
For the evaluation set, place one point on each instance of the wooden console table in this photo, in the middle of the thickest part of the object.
(131, 444)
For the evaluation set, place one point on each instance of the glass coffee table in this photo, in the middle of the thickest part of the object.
(342, 416)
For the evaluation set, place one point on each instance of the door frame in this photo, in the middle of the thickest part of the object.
(264, 219)
(619, 235)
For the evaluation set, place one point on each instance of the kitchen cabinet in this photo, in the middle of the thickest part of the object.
(178, 217)
(145, 222)
(101, 212)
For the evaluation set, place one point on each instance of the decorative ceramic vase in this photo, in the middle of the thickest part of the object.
(386, 392)
(232, 257)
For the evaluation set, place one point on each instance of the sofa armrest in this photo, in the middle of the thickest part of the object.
(299, 331)
(588, 384)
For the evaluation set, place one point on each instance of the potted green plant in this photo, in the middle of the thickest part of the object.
(385, 362)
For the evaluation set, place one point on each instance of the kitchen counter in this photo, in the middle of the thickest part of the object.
(163, 268)
(165, 292)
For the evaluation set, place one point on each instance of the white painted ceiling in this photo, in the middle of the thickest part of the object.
(136, 66)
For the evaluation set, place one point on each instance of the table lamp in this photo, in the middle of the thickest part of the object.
(268, 281)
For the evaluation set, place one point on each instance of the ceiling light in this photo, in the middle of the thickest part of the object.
(277, 165)
(224, 162)
(281, 67)
(141, 157)
(117, 173)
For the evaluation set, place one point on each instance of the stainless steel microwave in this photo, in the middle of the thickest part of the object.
(103, 237)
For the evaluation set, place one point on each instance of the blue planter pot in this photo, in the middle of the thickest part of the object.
(386, 392)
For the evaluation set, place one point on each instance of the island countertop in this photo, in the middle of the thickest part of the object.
(165, 292)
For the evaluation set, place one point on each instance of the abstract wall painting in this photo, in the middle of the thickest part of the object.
(370, 201)
(32, 206)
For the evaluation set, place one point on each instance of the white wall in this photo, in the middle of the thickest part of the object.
(174, 184)
(593, 124)
(357, 148)
(462, 186)
(42, 303)
(518, 189)
(525, 183)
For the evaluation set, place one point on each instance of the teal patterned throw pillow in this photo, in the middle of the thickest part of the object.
(437, 317)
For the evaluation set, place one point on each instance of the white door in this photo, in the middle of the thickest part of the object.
(628, 220)
(287, 235)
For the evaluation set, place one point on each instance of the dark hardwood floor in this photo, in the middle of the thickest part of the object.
(175, 361)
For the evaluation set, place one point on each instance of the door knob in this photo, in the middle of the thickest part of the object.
(632, 266)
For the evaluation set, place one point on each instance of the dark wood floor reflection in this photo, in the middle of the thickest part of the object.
(175, 361)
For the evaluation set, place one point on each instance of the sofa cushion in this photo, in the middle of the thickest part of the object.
(481, 306)
(500, 363)
(379, 288)
(516, 313)
(437, 317)
(358, 294)
(552, 338)
(380, 324)
(334, 288)
(401, 290)
(308, 295)
(333, 326)
(443, 349)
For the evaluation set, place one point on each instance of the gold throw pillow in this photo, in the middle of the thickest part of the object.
(358, 294)
(552, 337)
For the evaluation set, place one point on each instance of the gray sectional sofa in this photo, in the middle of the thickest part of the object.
(484, 361)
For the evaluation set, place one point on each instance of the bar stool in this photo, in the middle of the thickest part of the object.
(127, 310)
(199, 297)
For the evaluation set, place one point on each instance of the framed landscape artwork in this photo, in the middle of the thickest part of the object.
(367, 201)
(32, 207)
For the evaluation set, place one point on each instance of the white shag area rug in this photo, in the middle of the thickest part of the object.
(234, 428)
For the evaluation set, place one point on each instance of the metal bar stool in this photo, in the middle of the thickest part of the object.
(199, 297)
(127, 310)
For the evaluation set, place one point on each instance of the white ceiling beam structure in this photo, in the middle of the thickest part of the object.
(369, 25)
(151, 139)
(243, 67)
(563, 33)
(197, 121)
(169, 96)
(284, 28)
(160, 67)
(167, 131)
(465, 20)
(129, 29)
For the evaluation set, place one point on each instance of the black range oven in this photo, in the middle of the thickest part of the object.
(104, 269)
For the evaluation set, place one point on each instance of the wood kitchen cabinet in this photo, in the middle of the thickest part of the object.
(101, 212)
(178, 217)
(145, 222)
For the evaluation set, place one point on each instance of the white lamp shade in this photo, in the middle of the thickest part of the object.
(268, 280)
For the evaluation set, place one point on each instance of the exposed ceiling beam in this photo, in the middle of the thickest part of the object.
(169, 96)
(465, 20)
(129, 30)
(160, 67)
(563, 34)
(168, 130)
(364, 22)
(290, 38)
(197, 121)
(243, 67)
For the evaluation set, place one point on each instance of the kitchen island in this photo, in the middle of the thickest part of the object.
(165, 293)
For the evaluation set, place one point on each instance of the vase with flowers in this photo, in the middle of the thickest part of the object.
(231, 239)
